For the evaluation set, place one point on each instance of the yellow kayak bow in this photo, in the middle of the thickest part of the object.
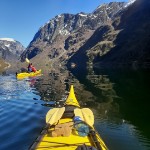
(74, 132)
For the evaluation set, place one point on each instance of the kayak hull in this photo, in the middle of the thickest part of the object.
(26, 74)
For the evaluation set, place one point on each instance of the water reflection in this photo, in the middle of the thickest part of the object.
(132, 88)
(119, 100)
(55, 85)
(105, 86)
(121, 107)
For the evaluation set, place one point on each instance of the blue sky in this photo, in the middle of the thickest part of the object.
(21, 19)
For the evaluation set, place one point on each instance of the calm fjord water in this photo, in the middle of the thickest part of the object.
(128, 128)
(21, 117)
(121, 110)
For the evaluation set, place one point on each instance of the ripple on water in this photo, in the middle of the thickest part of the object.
(121, 134)
(21, 120)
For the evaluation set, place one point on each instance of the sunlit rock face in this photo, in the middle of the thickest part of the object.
(61, 37)
(114, 33)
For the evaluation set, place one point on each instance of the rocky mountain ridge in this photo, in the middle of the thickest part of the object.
(124, 43)
(110, 35)
(131, 46)
(61, 37)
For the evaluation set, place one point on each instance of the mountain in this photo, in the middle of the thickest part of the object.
(61, 37)
(10, 49)
(124, 43)
(115, 34)
(132, 42)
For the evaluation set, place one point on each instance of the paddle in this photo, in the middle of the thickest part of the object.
(27, 60)
(54, 115)
(85, 114)
(88, 116)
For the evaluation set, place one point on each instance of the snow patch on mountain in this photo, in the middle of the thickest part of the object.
(82, 15)
(7, 39)
(130, 3)
(7, 45)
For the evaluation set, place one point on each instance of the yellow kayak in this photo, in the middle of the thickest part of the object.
(69, 128)
(26, 74)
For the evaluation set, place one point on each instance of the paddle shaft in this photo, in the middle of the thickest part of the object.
(94, 138)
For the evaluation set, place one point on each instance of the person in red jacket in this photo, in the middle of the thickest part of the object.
(31, 68)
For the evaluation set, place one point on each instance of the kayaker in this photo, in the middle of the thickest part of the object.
(31, 68)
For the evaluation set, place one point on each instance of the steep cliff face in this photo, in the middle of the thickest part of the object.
(97, 44)
(131, 46)
(60, 38)
(10, 49)
(115, 34)
(124, 44)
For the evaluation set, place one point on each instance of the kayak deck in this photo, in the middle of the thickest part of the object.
(45, 141)
(62, 143)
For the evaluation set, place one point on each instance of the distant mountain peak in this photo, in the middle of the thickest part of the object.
(10, 49)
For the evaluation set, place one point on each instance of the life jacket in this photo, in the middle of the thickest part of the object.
(33, 69)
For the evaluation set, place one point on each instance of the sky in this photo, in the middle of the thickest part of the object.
(21, 19)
